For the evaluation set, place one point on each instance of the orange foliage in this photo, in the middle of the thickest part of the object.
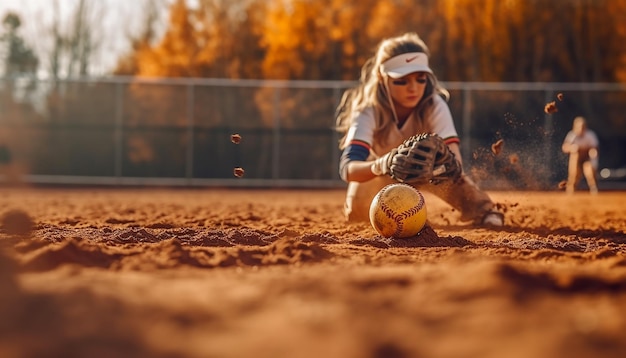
(175, 55)
(490, 40)
(325, 39)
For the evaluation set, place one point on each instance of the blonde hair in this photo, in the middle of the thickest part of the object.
(372, 92)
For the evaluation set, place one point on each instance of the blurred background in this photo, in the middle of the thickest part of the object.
(150, 92)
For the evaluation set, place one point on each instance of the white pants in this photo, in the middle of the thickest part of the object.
(579, 166)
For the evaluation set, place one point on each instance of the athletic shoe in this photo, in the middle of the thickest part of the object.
(493, 219)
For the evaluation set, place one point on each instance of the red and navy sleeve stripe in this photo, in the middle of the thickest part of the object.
(451, 140)
(361, 143)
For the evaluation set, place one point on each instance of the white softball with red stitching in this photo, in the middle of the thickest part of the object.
(398, 211)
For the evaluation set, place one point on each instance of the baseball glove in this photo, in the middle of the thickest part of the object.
(422, 159)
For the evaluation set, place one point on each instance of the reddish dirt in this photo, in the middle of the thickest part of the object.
(279, 273)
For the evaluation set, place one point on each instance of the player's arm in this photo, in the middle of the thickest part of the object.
(568, 144)
(353, 165)
(569, 148)
(356, 162)
(360, 171)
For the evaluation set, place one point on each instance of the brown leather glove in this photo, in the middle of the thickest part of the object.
(422, 159)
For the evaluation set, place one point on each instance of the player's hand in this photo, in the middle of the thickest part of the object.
(380, 166)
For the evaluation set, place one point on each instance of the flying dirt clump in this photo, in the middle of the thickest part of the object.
(238, 172)
(16, 222)
(551, 107)
(235, 138)
(496, 147)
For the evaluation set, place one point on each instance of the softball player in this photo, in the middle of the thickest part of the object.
(399, 96)
(581, 144)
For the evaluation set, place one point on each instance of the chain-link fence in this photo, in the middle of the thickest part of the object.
(178, 131)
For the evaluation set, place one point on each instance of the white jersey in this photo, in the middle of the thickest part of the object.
(438, 122)
(586, 141)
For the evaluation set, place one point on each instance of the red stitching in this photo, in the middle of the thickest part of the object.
(414, 210)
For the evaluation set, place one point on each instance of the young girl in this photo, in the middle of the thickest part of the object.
(398, 97)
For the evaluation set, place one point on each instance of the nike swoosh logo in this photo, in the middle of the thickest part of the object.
(411, 59)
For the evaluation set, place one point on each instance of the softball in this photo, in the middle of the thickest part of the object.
(398, 211)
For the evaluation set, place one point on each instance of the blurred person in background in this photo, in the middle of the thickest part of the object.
(398, 97)
(581, 143)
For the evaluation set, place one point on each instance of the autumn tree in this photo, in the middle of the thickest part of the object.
(326, 39)
(230, 33)
(19, 61)
(175, 54)
(216, 39)
(534, 40)
(18, 57)
(141, 43)
(490, 40)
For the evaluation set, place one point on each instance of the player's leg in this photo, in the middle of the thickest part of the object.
(359, 197)
(574, 173)
(590, 175)
(465, 196)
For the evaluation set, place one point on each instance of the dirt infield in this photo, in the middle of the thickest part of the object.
(279, 273)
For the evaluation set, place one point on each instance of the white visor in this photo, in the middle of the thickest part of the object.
(406, 63)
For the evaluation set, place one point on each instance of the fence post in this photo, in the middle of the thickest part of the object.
(549, 128)
(466, 125)
(119, 130)
(190, 141)
(335, 137)
(276, 142)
